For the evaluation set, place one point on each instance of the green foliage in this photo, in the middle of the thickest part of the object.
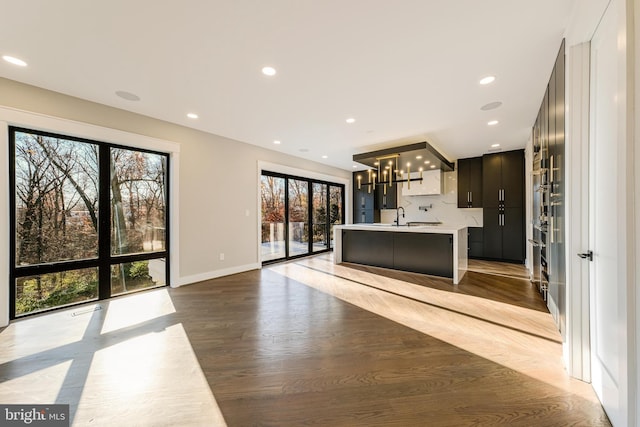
(56, 290)
(139, 270)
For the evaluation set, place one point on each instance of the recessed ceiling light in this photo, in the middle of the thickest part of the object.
(433, 166)
(426, 162)
(491, 106)
(376, 163)
(15, 61)
(495, 145)
(192, 115)
(276, 142)
(418, 157)
(351, 120)
(492, 123)
(355, 166)
(487, 80)
(268, 71)
(127, 95)
(325, 157)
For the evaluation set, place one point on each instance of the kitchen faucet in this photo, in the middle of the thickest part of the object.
(398, 215)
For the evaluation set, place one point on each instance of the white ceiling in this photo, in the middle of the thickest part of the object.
(406, 70)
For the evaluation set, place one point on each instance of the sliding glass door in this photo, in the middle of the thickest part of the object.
(88, 220)
(336, 212)
(297, 215)
(319, 225)
(272, 197)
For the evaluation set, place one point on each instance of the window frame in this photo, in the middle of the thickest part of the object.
(105, 259)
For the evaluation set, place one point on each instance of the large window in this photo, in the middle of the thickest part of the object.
(89, 220)
(297, 215)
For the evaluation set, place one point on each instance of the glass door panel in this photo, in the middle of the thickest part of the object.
(298, 217)
(319, 225)
(336, 213)
(272, 195)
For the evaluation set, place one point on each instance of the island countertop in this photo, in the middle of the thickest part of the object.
(441, 228)
(428, 255)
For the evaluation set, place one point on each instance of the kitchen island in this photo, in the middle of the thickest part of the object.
(438, 250)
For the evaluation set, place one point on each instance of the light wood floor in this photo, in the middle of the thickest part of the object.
(304, 343)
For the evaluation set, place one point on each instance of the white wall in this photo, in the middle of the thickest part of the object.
(216, 183)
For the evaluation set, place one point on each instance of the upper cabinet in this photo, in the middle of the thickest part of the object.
(430, 185)
(386, 196)
(470, 182)
(503, 179)
(363, 202)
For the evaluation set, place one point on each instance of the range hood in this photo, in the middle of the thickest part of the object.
(419, 155)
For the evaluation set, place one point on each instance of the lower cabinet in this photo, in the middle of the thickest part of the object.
(424, 253)
(475, 242)
(427, 253)
(503, 234)
(368, 247)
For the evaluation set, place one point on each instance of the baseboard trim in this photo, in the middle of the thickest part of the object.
(189, 280)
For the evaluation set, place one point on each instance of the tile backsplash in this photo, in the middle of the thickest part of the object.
(444, 207)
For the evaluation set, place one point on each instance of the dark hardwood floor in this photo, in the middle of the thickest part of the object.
(280, 353)
(305, 343)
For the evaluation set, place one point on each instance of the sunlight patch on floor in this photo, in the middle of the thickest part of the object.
(35, 386)
(511, 336)
(136, 308)
(69, 329)
(129, 363)
(143, 377)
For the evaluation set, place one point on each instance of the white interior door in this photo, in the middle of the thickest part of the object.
(608, 292)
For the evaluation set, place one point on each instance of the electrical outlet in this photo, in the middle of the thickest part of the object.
(221, 256)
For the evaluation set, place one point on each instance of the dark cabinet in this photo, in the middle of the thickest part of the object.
(503, 234)
(427, 253)
(386, 197)
(363, 201)
(470, 182)
(368, 247)
(424, 253)
(474, 243)
(503, 179)
(503, 206)
(365, 216)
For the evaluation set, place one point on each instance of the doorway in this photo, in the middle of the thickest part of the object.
(297, 216)
(610, 220)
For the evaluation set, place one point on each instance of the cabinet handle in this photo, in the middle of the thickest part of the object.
(470, 197)
(551, 170)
